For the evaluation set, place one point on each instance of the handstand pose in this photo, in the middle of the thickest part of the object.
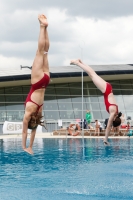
(109, 99)
(39, 81)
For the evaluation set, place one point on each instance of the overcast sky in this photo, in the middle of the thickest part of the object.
(98, 31)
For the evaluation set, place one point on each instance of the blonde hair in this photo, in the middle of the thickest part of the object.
(35, 121)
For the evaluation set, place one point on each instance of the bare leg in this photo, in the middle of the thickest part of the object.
(98, 131)
(37, 67)
(101, 85)
(95, 131)
(32, 137)
(97, 80)
(45, 56)
(24, 139)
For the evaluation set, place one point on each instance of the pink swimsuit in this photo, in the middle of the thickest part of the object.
(106, 94)
(43, 83)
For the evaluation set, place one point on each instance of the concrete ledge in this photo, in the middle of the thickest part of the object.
(49, 135)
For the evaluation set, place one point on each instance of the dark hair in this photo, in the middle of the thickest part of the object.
(117, 120)
(35, 121)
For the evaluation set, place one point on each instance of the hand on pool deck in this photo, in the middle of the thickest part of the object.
(29, 150)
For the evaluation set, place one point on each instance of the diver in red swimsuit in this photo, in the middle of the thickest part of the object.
(106, 94)
(109, 99)
(40, 78)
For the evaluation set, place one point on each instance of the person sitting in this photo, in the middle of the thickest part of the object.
(98, 127)
(74, 129)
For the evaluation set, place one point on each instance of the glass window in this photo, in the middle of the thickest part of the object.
(14, 106)
(76, 92)
(115, 84)
(120, 102)
(87, 99)
(14, 98)
(79, 106)
(130, 114)
(2, 99)
(15, 116)
(125, 84)
(78, 114)
(75, 89)
(2, 116)
(90, 85)
(13, 90)
(131, 82)
(52, 115)
(2, 106)
(100, 96)
(50, 94)
(95, 106)
(127, 92)
(50, 105)
(97, 115)
(93, 95)
(88, 105)
(77, 99)
(63, 93)
(66, 114)
(2, 91)
(128, 101)
(65, 100)
(104, 114)
(126, 87)
(102, 106)
(116, 92)
(26, 89)
(65, 106)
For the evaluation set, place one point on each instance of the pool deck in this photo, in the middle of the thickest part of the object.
(49, 135)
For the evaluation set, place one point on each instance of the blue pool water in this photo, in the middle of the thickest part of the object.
(67, 169)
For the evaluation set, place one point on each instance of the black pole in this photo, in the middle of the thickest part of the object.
(21, 67)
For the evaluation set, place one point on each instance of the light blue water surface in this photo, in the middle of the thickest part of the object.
(67, 169)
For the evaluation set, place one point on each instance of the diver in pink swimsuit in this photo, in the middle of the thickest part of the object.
(109, 99)
(40, 78)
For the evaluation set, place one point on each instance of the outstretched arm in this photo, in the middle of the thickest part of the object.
(109, 125)
(25, 128)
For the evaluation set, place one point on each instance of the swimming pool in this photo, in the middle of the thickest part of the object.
(67, 169)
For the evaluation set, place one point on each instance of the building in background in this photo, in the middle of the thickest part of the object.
(63, 97)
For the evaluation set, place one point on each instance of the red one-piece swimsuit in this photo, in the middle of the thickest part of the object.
(106, 94)
(43, 83)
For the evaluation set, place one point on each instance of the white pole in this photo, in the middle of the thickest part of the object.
(82, 87)
(82, 102)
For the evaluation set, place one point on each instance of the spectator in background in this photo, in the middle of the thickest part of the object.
(122, 119)
(128, 126)
(116, 130)
(105, 123)
(98, 127)
(84, 123)
(88, 118)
